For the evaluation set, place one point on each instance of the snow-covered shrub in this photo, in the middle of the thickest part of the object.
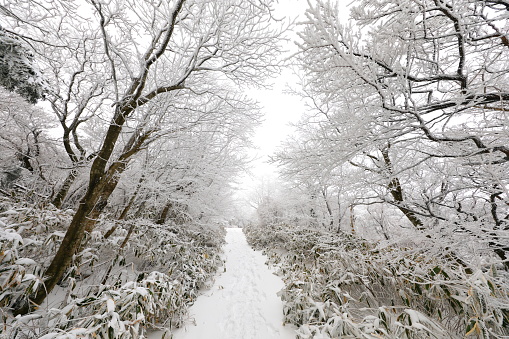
(17, 68)
(112, 312)
(187, 253)
(340, 286)
(28, 237)
(109, 291)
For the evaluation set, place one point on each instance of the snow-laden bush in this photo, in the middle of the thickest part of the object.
(28, 237)
(109, 291)
(340, 286)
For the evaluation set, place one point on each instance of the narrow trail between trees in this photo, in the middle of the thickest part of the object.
(242, 303)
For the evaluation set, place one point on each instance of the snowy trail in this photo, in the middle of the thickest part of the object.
(243, 303)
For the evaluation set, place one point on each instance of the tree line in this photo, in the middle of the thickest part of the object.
(406, 129)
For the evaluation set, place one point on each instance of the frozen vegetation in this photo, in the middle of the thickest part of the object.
(341, 286)
(108, 291)
(243, 301)
(124, 127)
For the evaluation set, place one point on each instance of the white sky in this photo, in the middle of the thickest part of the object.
(280, 109)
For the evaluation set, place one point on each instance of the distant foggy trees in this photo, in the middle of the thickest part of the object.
(25, 143)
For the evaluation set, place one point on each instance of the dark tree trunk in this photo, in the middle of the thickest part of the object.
(498, 248)
(24, 158)
(58, 199)
(109, 184)
(128, 235)
(74, 235)
(141, 207)
(99, 187)
(396, 191)
(63, 257)
(164, 213)
(329, 210)
(126, 209)
(112, 177)
(352, 219)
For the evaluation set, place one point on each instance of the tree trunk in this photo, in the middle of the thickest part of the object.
(67, 249)
(141, 207)
(109, 184)
(76, 230)
(352, 219)
(58, 199)
(24, 158)
(396, 191)
(164, 213)
(329, 210)
(126, 209)
(99, 186)
(500, 223)
(128, 235)
(340, 215)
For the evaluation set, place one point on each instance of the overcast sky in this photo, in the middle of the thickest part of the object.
(280, 109)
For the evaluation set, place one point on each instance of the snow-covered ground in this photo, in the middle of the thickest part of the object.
(242, 303)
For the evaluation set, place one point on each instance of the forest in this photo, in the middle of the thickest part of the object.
(125, 125)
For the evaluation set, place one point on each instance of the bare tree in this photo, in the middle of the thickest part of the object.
(174, 46)
(24, 142)
(428, 78)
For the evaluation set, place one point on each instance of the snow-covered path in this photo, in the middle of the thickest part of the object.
(243, 303)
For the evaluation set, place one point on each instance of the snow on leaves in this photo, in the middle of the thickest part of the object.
(108, 292)
(339, 285)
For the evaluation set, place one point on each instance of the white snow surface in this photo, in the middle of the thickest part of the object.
(242, 304)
